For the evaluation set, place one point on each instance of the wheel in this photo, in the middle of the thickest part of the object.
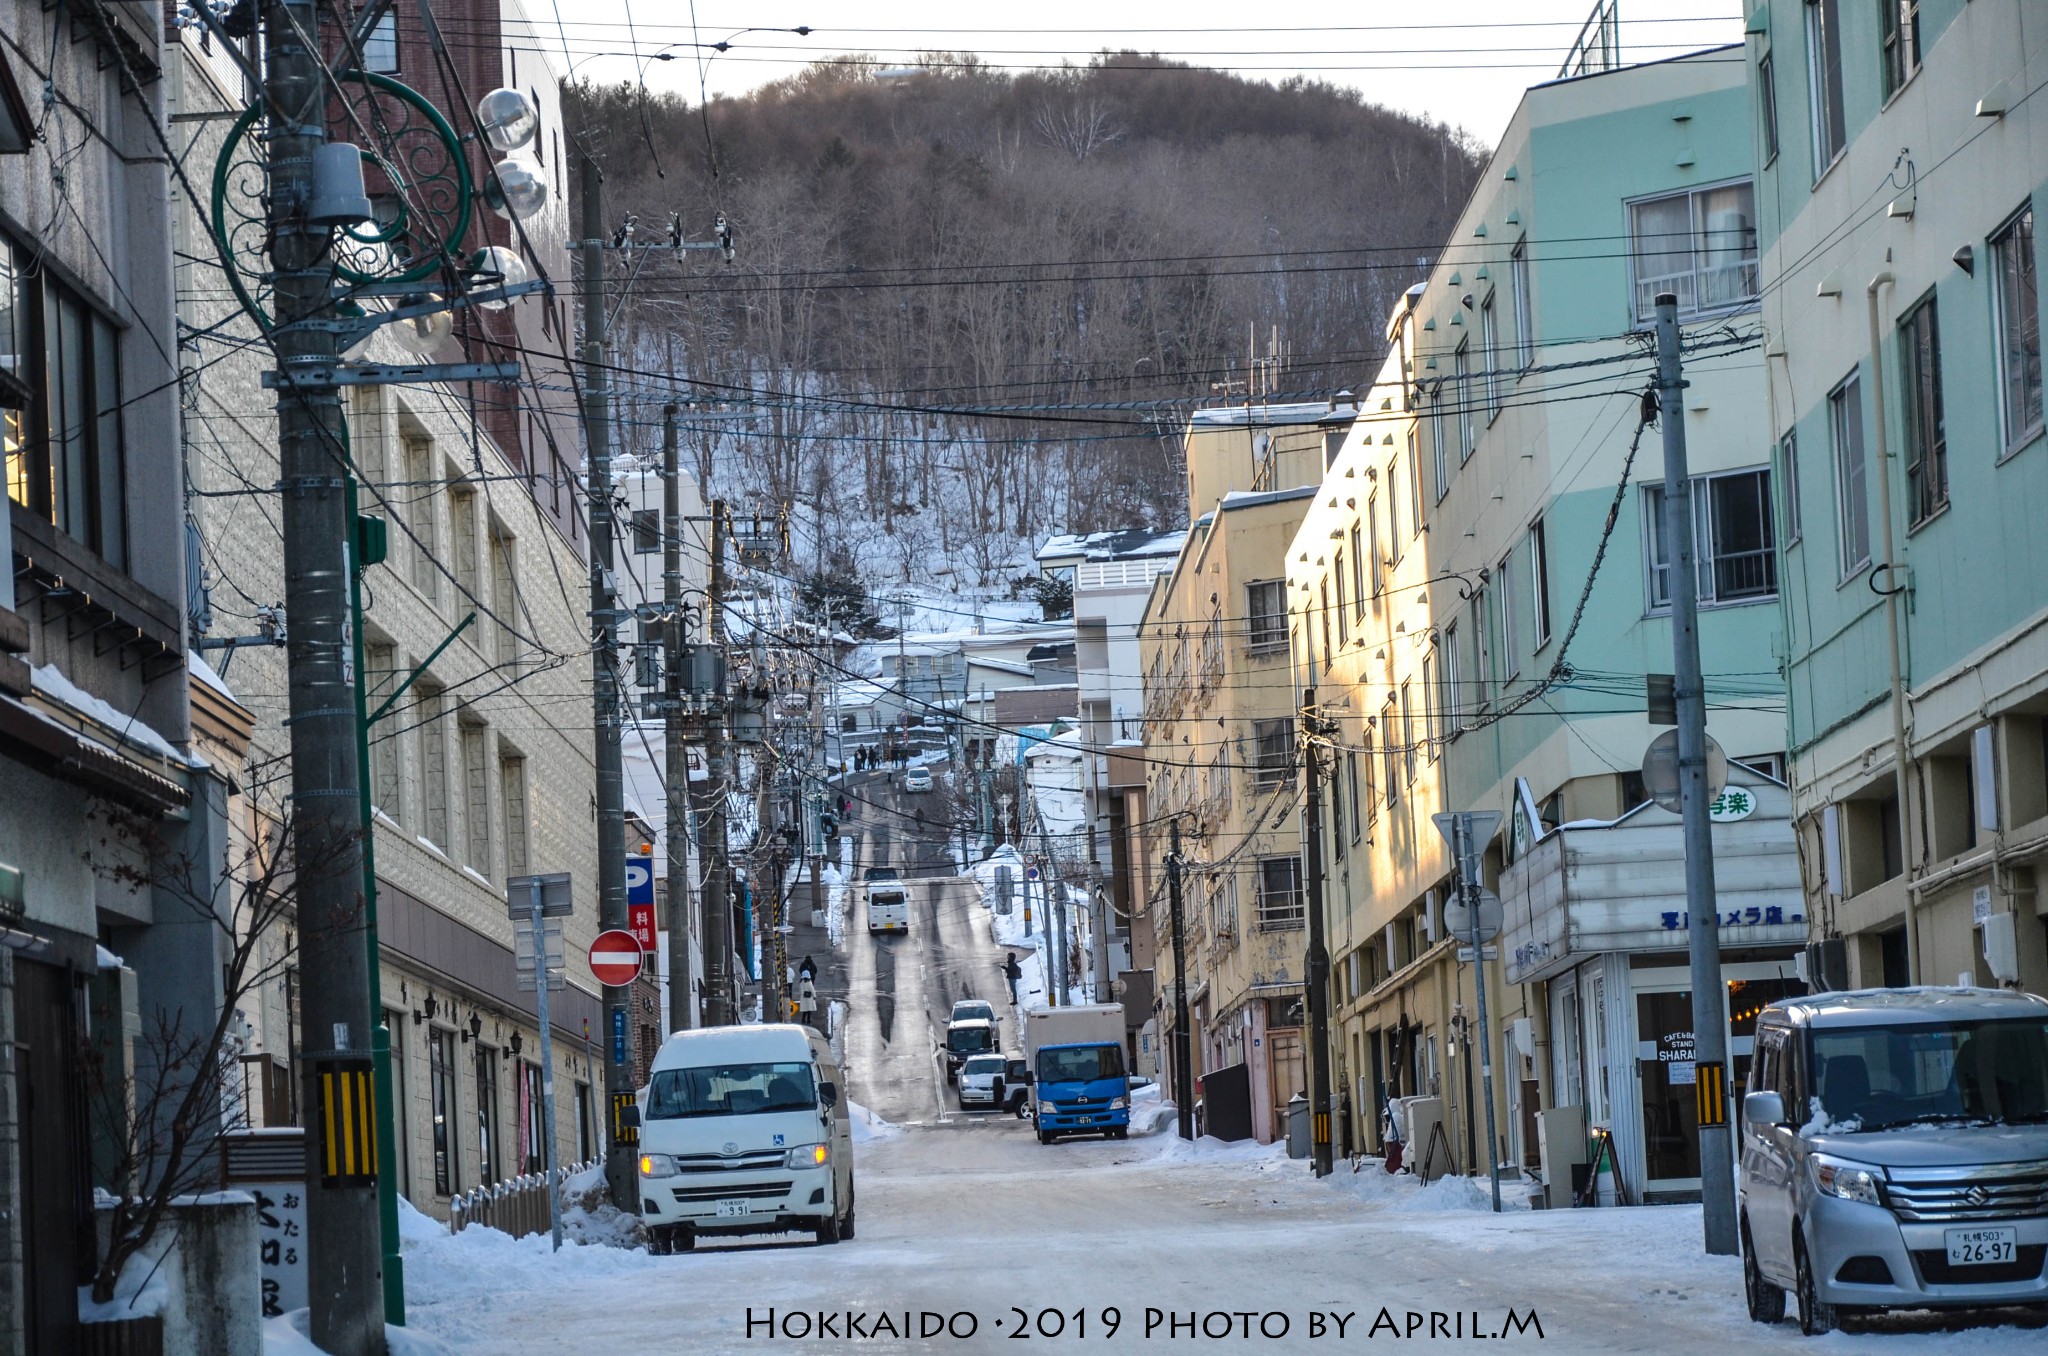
(1045, 1136)
(1121, 1132)
(1766, 1301)
(846, 1225)
(828, 1230)
(1815, 1318)
(657, 1242)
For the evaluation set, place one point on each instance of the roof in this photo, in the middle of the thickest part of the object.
(1242, 499)
(767, 1041)
(1011, 707)
(1927, 1003)
(1338, 409)
(1123, 544)
(999, 665)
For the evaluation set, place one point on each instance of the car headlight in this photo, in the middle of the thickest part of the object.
(1848, 1181)
(1120, 1104)
(657, 1165)
(810, 1156)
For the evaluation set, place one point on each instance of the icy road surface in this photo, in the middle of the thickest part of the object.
(972, 1221)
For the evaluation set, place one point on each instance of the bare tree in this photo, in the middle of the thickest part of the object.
(1077, 127)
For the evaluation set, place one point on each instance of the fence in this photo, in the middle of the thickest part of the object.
(517, 1205)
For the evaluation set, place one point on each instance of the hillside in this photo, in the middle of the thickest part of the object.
(915, 252)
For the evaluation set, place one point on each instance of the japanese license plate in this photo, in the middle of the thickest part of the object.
(731, 1209)
(1084, 1120)
(1981, 1247)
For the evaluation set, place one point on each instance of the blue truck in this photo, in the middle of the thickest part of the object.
(1080, 1083)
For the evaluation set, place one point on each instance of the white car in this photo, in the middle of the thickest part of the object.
(979, 1080)
(918, 779)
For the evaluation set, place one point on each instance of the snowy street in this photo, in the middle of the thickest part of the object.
(975, 1222)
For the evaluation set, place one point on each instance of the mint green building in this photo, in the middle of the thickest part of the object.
(1900, 151)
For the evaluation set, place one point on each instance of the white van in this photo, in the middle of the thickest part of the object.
(744, 1130)
(888, 906)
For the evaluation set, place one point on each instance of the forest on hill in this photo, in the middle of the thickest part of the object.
(969, 308)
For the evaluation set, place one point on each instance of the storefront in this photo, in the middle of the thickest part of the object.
(1595, 914)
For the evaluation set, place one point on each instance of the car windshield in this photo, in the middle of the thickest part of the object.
(730, 1090)
(1080, 1064)
(1880, 1077)
(963, 1012)
(965, 1039)
(983, 1065)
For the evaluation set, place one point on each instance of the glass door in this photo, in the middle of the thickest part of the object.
(1668, 1076)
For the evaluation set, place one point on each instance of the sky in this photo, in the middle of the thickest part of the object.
(1462, 62)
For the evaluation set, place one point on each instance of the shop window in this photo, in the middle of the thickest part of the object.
(487, 1114)
(441, 1094)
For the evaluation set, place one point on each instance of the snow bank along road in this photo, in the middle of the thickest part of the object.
(992, 1230)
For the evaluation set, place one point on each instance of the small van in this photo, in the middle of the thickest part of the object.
(970, 1036)
(744, 1130)
(1894, 1154)
(888, 907)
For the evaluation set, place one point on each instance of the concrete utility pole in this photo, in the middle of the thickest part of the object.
(1465, 847)
(1098, 898)
(1702, 906)
(1183, 1060)
(711, 808)
(621, 1175)
(344, 1277)
(1056, 914)
(682, 1012)
(1316, 979)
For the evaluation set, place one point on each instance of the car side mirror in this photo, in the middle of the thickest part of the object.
(828, 1093)
(1763, 1109)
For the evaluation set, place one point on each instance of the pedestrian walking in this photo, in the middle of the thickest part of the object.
(807, 999)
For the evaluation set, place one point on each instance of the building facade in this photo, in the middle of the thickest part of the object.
(1900, 163)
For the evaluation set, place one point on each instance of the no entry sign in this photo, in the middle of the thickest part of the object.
(615, 957)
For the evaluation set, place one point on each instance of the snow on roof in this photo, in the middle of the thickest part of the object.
(1238, 499)
(1124, 544)
(1337, 409)
(52, 683)
(203, 671)
(1000, 665)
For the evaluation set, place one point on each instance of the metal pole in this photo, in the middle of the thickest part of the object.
(1316, 979)
(344, 1253)
(547, 1067)
(1703, 934)
(1902, 759)
(718, 946)
(1056, 910)
(620, 1169)
(682, 1013)
(1098, 901)
(1183, 1061)
(1468, 890)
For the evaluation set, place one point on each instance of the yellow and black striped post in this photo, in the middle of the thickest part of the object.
(1711, 1088)
(347, 1120)
(625, 1129)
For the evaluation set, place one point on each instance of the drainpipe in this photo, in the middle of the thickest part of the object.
(1891, 592)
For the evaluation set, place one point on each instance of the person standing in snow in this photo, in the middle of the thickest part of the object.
(807, 1000)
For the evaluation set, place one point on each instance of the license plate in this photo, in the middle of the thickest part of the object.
(1981, 1247)
(731, 1209)
(1084, 1120)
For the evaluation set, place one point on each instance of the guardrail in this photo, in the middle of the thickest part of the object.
(517, 1205)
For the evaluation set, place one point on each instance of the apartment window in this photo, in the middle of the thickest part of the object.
(1482, 667)
(1824, 82)
(380, 48)
(1925, 428)
(1453, 697)
(1376, 566)
(1767, 105)
(462, 529)
(1439, 443)
(486, 1115)
(1343, 608)
(476, 797)
(1266, 607)
(512, 794)
(1390, 752)
(1393, 512)
(1699, 245)
(1415, 519)
(1539, 581)
(441, 1092)
(1489, 354)
(1273, 741)
(2018, 303)
(1899, 42)
(1788, 478)
(1357, 800)
(1852, 510)
(1461, 367)
(1733, 544)
(60, 407)
(433, 734)
(504, 597)
(1366, 772)
(1329, 650)
(1336, 819)
(419, 499)
(1407, 733)
(381, 661)
(1431, 708)
(1358, 567)
(1280, 903)
(1510, 651)
(1525, 315)
(646, 532)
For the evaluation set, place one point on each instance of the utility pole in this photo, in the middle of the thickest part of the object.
(682, 1012)
(1098, 899)
(1703, 934)
(621, 1174)
(1465, 846)
(1056, 913)
(711, 808)
(1183, 1061)
(1316, 980)
(344, 1277)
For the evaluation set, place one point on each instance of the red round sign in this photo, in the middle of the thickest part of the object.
(615, 957)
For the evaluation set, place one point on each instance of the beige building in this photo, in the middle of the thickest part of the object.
(1219, 731)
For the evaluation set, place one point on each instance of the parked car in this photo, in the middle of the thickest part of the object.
(1016, 1084)
(981, 1080)
(967, 1009)
(1894, 1154)
(918, 779)
(975, 1036)
(875, 873)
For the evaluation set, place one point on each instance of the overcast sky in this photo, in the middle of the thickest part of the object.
(1464, 62)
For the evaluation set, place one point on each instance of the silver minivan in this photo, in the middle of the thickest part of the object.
(1894, 1154)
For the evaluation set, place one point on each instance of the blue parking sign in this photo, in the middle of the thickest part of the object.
(639, 879)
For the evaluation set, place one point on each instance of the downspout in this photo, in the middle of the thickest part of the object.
(1890, 593)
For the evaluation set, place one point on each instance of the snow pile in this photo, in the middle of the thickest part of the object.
(1457, 1193)
(589, 1217)
(415, 1227)
(51, 682)
(1820, 1123)
(285, 1335)
(868, 1127)
(143, 1290)
(1150, 1112)
(1209, 1149)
